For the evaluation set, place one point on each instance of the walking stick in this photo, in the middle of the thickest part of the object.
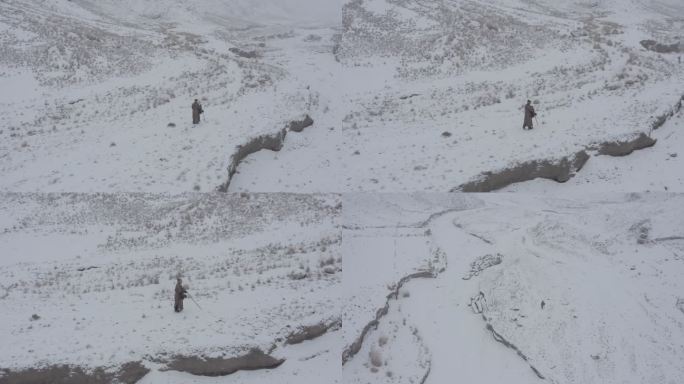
(193, 300)
(202, 309)
(537, 121)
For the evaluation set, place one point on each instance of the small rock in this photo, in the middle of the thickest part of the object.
(446, 134)
(35, 317)
(112, 144)
(171, 125)
(673, 155)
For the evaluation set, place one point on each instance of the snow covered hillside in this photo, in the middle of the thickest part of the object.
(88, 282)
(581, 290)
(97, 94)
(431, 93)
(354, 136)
(402, 95)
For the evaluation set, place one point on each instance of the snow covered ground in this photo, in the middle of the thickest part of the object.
(658, 168)
(98, 271)
(582, 290)
(431, 92)
(405, 95)
(338, 129)
(99, 93)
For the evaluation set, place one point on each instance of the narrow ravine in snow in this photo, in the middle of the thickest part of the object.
(431, 320)
(458, 337)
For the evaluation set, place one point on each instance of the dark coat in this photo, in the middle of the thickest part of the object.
(196, 111)
(178, 297)
(529, 114)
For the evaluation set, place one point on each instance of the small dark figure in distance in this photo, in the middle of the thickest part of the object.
(181, 293)
(196, 111)
(529, 115)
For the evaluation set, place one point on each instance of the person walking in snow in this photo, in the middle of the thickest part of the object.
(196, 111)
(529, 115)
(181, 293)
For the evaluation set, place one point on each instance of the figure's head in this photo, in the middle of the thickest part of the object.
(529, 102)
(179, 280)
(195, 100)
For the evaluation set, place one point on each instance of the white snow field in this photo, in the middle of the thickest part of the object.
(583, 290)
(405, 95)
(98, 272)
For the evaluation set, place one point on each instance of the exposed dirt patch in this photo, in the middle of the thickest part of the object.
(311, 332)
(272, 142)
(655, 46)
(299, 125)
(662, 119)
(254, 360)
(560, 170)
(129, 373)
(245, 54)
(625, 147)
